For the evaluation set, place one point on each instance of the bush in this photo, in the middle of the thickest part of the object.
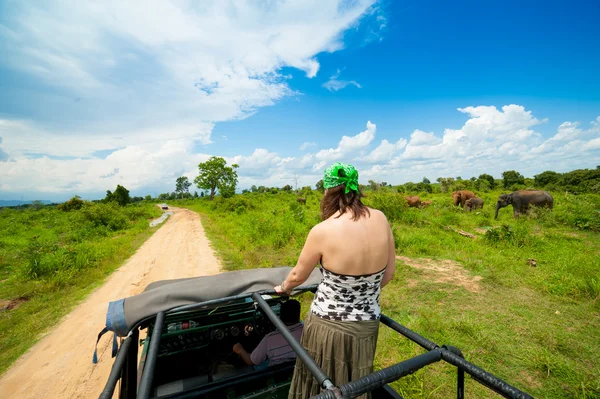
(104, 215)
(517, 235)
(581, 212)
(73, 204)
(392, 205)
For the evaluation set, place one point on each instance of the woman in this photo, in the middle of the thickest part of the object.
(354, 248)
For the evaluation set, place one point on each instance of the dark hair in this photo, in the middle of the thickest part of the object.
(336, 199)
(290, 312)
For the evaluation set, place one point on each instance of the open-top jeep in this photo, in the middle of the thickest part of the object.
(192, 324)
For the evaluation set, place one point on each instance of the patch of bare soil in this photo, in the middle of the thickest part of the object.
(12, 303)
(60, 364)
(443, 271)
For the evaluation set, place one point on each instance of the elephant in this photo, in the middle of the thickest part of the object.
(460, 197)
(473, 203)
(521, 200)
(301, 200)
(425, 204)
(413, 201)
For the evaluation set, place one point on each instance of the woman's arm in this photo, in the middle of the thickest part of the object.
(391, 263)
(309, 257)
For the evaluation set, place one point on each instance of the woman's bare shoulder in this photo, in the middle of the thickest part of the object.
(376, 213)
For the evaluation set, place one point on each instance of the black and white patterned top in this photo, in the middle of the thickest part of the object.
(347, 298)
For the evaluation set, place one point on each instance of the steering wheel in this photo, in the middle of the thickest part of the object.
(260, 327)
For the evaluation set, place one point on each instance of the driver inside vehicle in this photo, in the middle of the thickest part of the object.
(273, 348)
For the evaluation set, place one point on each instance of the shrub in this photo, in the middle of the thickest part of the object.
(73, 204)
(392, 205)
(104, 215)
(581, 211)
(517, 235)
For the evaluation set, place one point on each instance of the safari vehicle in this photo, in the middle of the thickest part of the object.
(192, 324)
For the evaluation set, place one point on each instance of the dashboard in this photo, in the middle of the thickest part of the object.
(219, 330)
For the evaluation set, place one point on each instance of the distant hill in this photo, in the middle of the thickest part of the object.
(17, 202)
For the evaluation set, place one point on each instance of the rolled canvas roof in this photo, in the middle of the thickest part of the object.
(164, 295)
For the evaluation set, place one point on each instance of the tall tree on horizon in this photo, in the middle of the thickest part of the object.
(182, 185)
(214, 174)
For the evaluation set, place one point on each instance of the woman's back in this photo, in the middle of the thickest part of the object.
(350, 247)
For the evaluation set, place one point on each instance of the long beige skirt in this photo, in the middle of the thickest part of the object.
(343, 349)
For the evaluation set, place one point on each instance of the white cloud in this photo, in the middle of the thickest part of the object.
(133, 78)
(504, 142)
(348, 145)
(23, 137)
(335, 84)
(385, 151)
(307, 145)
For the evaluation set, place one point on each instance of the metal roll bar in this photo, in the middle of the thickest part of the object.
(352, 389)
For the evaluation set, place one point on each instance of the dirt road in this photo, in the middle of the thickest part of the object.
(60, 364)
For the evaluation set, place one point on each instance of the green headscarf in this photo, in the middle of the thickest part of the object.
(349, 177)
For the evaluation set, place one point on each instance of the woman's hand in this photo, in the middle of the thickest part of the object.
(278, 289)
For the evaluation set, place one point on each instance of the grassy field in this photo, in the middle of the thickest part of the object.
(50, 260)
(521, 297)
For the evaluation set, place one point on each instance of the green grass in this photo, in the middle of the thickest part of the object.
(53, 259)
(535, 327)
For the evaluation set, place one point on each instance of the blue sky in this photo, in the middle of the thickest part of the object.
(99, 95)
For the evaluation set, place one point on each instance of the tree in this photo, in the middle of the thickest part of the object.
(512, 177)
(410, 187)
(195, 194)
(319, 186)
(253, 188)
(37, 205)
(148, 197)
(214, 174)
(182, 185)
(446, 183)
(424, 187)
(73, 204)
(426, 180)
(490, 180)
(287, 187)
(545, 178)
(120, 196)
(374, 185)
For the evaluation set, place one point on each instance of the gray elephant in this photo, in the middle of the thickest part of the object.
(474, 203)
(522, 199)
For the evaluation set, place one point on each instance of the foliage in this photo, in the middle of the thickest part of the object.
(53, 258)
(73, 204)
(491, 183)
(424, 187)
(182, 185)
(545, 178)
(426, 180)
(446, 183)
(514, 326)
(319, 186)
(374, 185)
(120, 196)
(512, 178)
(214, 174)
